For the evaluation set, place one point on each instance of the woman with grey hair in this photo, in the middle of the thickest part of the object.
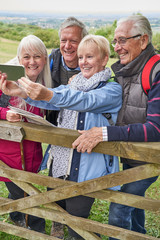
(32, 43)
(32, 54)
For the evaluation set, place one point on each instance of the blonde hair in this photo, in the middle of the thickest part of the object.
(101, 42)
(31, 43)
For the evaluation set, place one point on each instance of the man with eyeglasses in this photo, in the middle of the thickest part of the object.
(139, 117)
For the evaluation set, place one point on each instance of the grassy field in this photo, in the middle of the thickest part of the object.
(8, 49)
(99, 211)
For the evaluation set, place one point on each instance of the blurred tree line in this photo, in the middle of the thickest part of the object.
(50, 36)
(18, 31)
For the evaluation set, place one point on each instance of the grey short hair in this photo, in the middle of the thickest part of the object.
(72, 21)
(141, 25)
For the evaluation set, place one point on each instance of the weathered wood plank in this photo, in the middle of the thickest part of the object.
(30, 177)
(108, 181)
(11, 132)
(81, 188)
(93, 226)
(31, 190)
(24, 232)
(109, 230)
(126, 199)
(87, 225)
(107, 195)
(56, 216)
(146, 152)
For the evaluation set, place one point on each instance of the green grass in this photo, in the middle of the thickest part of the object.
(8, 49)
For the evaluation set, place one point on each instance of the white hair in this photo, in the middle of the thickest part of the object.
(140, 25)
(31, 43)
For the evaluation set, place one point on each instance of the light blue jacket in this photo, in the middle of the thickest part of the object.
(107, 99)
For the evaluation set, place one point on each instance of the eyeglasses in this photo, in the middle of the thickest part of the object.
(122, 40)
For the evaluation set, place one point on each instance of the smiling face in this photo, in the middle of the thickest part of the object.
(33, 63)
(133, 46)
(69, 40)
(90, 60)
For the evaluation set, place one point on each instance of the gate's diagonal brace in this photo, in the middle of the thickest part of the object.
(31, 190)
(82, 188)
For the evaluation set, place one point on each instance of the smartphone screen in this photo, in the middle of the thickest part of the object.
(14, 72)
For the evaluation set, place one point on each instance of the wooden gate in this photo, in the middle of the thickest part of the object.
(42, 204)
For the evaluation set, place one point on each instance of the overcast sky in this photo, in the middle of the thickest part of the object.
(83, 6)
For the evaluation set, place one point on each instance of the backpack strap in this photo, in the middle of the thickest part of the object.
(108, 115)
(109, 118)
(51, 60)
(51, 64)
(146, 76)
(54, 54)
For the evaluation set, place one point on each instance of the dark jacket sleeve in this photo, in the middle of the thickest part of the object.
(4, 102)
(147, 132)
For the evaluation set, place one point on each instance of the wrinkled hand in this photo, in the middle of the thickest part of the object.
(88, 139)
(13, 117)
(11, 88)
(35, 91)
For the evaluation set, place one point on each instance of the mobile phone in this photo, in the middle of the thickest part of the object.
(14, 72)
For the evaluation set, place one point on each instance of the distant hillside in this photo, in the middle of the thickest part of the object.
(15, 27)
(16, 31)
(54, 20)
